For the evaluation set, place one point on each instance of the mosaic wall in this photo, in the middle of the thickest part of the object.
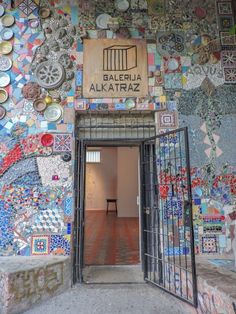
(191, 74)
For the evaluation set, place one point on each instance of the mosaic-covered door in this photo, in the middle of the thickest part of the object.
(79, 190)
(168, 240)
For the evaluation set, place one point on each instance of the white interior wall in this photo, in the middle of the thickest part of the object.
(127, 181)
(101, 179)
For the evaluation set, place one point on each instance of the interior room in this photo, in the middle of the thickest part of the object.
(112, 206)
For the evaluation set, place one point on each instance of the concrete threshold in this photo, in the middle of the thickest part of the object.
(113, 274)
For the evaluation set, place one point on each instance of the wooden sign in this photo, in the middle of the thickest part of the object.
(115, 68)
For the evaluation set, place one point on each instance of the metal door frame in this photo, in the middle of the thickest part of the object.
(79, 192)
(155, 264)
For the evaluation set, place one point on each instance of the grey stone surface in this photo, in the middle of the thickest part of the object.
(116, 298)
(217, 277)
(25, 281)
(10, 264)
(113, 274)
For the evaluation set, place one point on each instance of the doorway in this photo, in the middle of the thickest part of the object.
(112, 230)
(167, 237)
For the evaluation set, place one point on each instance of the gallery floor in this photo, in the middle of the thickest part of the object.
(110, 240)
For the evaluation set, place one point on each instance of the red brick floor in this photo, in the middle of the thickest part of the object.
(110, 240)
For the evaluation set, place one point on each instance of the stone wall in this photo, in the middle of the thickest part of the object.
(191, 75)
(25, 281)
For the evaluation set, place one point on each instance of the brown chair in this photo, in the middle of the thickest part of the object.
(111, 200)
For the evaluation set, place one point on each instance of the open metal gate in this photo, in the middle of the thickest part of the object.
(168, 238)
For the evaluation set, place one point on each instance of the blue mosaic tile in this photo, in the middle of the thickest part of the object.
(68, 206)
(60, 242)
(6, 227)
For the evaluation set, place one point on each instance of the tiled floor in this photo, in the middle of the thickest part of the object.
(110, 240)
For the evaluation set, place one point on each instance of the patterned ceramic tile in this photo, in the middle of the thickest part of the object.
(209, 244)
(62, 143)
(68, 206)
(40, 244)
(228, 59)
(49, 220)
(171, 43)
(224, 7)
(27, 6)
(60, 244)
(167, 120)
(227, 39)
(230, 75)
(226, 22)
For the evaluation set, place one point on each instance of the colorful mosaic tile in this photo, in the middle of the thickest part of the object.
(167, 120)
(172, 65)
(60, 244)
(27, 6)
(62, 143)
(227, 39)
(6, 227)
(226, 22)
(209, 244)
(228, 59)
(224, 7)
(230, 75)
(68, 206)
(173, 81)
(40, 244)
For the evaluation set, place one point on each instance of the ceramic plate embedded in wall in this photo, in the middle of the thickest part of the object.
(7, 20)
(7, 34)
(102, 20)
(66, 157)
(4, 79)
(34, 23)
(3, 95)
(172, 64)
(50, 75)
(5, 63)
(130, 104)
(2, 112)
(5, 47)
(47, 140)
(122, 5)
(2, 10)
(39, 105)
(44, 13)
(53, 112)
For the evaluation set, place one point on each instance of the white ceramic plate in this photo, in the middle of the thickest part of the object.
(2, 10)
(7, 20)
(3, 95)
(173, 64)
(122, 5)
(53, 112)
(5, 63)
(4, 79)
(130, 103)
(7, 34)
(102, 20)
(2, 112)
(5, 47)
